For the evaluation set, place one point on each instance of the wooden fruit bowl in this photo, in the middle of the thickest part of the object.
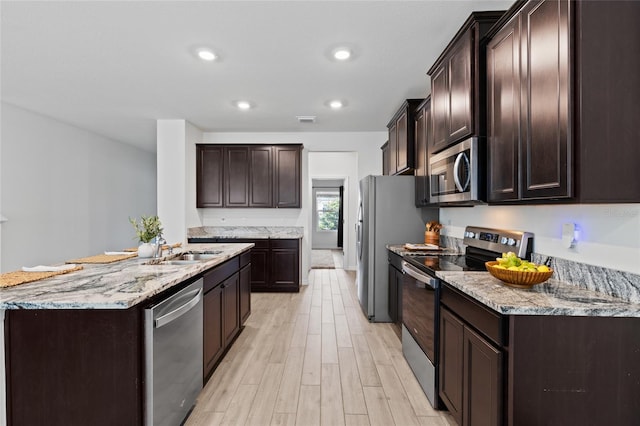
(518, 279)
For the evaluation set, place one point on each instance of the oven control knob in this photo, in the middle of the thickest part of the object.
(504, 240)
(511, 242)
(471, 234)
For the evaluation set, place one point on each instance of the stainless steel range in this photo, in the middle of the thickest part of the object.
(421, 295)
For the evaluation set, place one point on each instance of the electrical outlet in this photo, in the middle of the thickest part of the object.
(569, 235)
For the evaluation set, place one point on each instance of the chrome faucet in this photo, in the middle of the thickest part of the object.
(160, 241)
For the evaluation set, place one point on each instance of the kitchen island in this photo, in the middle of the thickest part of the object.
(74, 343)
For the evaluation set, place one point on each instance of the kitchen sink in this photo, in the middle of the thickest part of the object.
(178, 262)
(200, 256)
(189, 258)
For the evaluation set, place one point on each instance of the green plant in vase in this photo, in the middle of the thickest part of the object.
(147, 229)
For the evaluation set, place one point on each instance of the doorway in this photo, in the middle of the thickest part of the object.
(334, 169)
(327, 223)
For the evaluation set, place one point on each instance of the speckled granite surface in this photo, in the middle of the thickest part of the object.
(552, 297)
(255, 232)
(452, 243)
(118, 285)
(624, 285)
(400, 250)
(575, 290)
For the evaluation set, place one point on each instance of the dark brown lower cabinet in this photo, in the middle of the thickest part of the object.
(221, 312)
(482, 389)
(470, 374)
(284, 274)
(471, 365)
(245, 287)
(451, 363)
(395, 291)
(74, 367)
(212, 330)
(537, 370)
(275, 263)
(231, 307)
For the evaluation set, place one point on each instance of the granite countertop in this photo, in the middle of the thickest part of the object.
(552, 297)
(401, 251)
(250, 232)
(117, 285)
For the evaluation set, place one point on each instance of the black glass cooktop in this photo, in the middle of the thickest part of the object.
(435, 263)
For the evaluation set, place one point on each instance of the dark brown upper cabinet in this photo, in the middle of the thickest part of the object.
(209, 159)
(393, 148)
(458, 83)
(402, 143)
(236, 176)
(286, 185)
(424, 137)
(260, 176)
(529, 130)
(266, 176)
(559, 100)
(385, 158)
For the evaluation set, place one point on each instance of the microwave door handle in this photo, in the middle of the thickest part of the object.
(456, 175)
(456, 167)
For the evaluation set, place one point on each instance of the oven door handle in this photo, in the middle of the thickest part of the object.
(424, 280)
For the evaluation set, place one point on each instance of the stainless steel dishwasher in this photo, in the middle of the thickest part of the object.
(173, 355)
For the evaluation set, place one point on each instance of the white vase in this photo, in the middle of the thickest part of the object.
(146, 250)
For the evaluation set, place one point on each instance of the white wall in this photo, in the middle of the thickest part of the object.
(609, 233)
(176, 141)
(365, 144)
(1, 222)
(68, 192)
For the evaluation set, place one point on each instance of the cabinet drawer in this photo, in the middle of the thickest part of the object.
(258, 244)
(203, 240)
(277, 244)
(220, 273)
(478, 316)
(245, 258)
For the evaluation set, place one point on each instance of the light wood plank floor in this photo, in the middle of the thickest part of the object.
(311, 358)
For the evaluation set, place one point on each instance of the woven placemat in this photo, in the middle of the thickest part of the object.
(103, 258)
(10, 279)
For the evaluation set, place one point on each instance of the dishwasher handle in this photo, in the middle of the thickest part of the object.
(180, 310)
(424, 279)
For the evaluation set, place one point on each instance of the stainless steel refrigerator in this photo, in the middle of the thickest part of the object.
(386, 215)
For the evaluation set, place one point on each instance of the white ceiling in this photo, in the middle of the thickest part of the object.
(115, 68)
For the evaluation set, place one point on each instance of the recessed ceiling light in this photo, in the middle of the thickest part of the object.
(342, 54)
(243, 105)
(336, 104)
(206, 54)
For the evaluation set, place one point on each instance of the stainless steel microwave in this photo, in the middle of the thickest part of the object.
(455, 176)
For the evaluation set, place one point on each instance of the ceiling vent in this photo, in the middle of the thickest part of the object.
(306, 118)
